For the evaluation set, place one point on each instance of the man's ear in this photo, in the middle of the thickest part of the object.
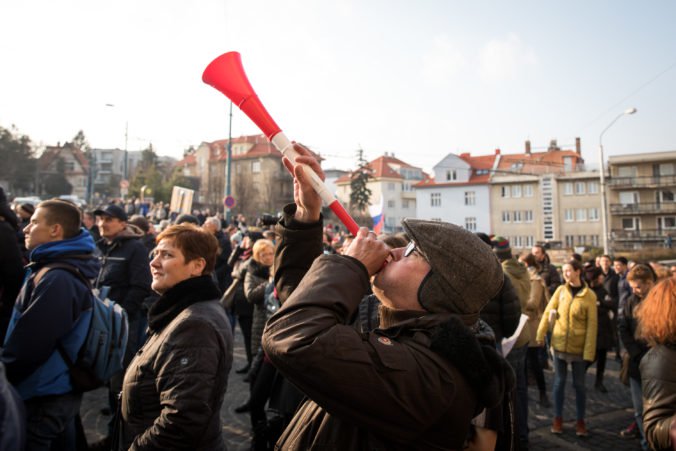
(56, 231)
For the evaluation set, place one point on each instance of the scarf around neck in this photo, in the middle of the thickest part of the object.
(178, 298)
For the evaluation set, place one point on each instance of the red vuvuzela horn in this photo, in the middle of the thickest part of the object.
(226, 74)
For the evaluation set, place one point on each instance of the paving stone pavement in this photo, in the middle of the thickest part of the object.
(607, 413)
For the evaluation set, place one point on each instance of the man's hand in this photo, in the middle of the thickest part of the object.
(308, 202)
(368, 250)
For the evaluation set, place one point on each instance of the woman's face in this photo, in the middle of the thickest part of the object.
(266, 256)
(571, 275)
(168, 266)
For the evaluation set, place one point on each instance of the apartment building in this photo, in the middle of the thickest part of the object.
(458, 193)
(642, 200)
(259, 181)
(545, 198)
(393, 181)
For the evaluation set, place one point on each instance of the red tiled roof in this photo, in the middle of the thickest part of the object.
(382, 167)
(538, 162)
(218, 150)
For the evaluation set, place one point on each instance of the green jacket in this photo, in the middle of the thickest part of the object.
(576, 322)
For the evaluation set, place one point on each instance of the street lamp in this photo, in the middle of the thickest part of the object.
(126, 139)
(602, 171)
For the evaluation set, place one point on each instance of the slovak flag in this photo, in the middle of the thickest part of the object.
(378, 216)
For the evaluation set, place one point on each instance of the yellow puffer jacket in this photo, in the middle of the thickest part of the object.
(576, 322)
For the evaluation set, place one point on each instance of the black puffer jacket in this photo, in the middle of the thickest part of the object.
(658, 372)
(174, 388)
(627, 327)
(605, 305)
(502, 312)
(126, 270)
(255, 281)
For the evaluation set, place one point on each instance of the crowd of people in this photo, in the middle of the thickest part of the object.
(425, 339)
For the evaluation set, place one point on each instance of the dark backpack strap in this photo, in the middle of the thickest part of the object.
(74, 271)
(68, 267)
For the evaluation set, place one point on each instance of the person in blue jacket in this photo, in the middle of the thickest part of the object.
(53, 309)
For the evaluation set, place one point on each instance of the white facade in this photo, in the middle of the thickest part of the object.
(466, 205)
(454, 197)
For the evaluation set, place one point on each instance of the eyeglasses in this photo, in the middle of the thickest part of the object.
(410, 249)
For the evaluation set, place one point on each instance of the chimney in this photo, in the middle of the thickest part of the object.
(578, 146)
(497, 151)
(528, 147)
(553, 146)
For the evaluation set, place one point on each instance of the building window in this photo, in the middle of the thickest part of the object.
(516, 190)
(517, 216)
(594, 240)
(627, 171)
(593, 187)
(629, 197)
(255, 167)
(390, 186)
(527, 190)
(581, 214)
(470, 198)
(593, 214)
(530, 241)
(568, 215)
(579, 188)
(581, 240)
(666, 196)
(404, 203)
(630, 223)
(568, 189)
(451, 175)
(435, 199)
(390, 204)
(506, 217)
(470, 224)
(569, 240)
(528, 216)
(567, 164)
(667, 222)
(505, 191)
(406, 186)
(666, 169)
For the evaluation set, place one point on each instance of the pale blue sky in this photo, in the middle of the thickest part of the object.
(419, 79)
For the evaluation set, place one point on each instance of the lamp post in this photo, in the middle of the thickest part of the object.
(602, 172)
(126, 140)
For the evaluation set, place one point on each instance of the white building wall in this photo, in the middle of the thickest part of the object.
(452, 206)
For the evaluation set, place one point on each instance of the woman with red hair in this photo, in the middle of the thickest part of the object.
(657, 326)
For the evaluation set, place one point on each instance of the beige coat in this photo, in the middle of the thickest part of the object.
(537, 301)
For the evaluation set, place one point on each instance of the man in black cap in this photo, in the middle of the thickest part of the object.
(126, 270)
(419, 379)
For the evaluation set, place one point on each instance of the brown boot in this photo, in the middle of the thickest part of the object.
(581, 429)
(557, 425)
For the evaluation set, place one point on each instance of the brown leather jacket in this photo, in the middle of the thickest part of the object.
(658, 379)
(384, 390)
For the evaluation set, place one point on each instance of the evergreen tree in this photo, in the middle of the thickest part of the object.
(360, 195)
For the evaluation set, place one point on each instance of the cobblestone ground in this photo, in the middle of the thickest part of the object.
(607, 413)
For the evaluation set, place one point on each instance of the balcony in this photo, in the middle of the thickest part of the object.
(643, 208)
(641, 182)
(645, 235)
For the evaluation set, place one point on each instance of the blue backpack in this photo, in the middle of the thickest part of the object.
(101, 354)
